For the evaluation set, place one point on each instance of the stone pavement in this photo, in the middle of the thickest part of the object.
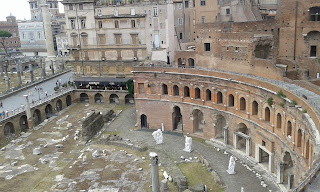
(172, 150)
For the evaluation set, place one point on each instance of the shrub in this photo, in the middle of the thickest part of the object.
(56, 88)
(282, 105)
(130, 87)
(280, 94)
(64, 85)
(270, 101)
(304, 111)
(293, 102)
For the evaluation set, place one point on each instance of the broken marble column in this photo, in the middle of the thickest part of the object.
(280, 171)
(18, 65)
(52, 67)
(37, 151)
(157, 135)
(28, 112)
(43, 69)
(290, 181)
(31, 72)
(232, 164)
(154, 171)
(164, 184)
(62, 64)
(188, 144)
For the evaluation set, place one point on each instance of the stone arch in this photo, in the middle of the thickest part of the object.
(8, 130)
(175, 90)
(219, 97)
(177, 119)
(114, 99)
(242, 104)
(243, 128)
(231, 100)
(37, 117)
(68, 100)
(59, 105)
(144, 121)
(241, 138)
(198, 121)
(180, 63)
(191, 62)
(164, 89)
(129, 99)
(208, 95)
(288, 167)
(197, 93)
(49, 111)
(23, 122)
(186, 91)
(255, 108)
(267, 114)
(299, 138)
(220, 124)
(289, 128)
(84, 98)
(279, 121)
(98, 98)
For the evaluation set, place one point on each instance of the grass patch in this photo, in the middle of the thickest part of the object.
(195, 174)
(121, 107)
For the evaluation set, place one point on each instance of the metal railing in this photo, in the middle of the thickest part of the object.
(307, 180)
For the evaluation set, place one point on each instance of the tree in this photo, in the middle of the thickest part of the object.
(3, 36)
(130, 87)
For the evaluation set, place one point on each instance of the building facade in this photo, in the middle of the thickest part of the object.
(12, 27)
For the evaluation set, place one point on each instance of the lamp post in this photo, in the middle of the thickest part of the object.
(38, 89)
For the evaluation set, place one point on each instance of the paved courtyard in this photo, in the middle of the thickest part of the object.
(66, 164)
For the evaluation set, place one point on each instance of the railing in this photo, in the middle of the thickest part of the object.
(7, 114)
(307, 180)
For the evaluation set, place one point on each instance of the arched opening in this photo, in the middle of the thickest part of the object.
(23, 122)
(84, 98)
(208, 95)
(68, 100)
(144, 122)
(59, 105)
(164, 89)
(288, 167)
(242, 104)
(219, 125)
(279, 121)
(241, 138)
(177, 119)
(9, 131)
(36, 117)
(289, 129)
(191, 62)
(267, 114)
(186, 91)
(219, 97)
(48, 111)
(197, 93)
(175, 90)
(180, 63)
(98, 98)
(255, 108)
(299, 138)
(129, 99)
(114, 99)
(231, 101)
(198, 121)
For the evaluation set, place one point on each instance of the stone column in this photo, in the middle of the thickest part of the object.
(7, 79)
(154, 172)
(62, 64)
(290, 181)
(19, 73)
(28, 112)
(280, 171)
(43, 68)
(235, 137)
(48, 33)
(225, 135)
(248, 146)
(31, 72)
(52, 67)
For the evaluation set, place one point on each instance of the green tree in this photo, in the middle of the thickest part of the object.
(130, 87)
(3, 36)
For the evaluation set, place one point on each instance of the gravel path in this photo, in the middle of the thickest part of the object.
(171, 150)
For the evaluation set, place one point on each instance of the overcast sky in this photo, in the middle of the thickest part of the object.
(18, 8)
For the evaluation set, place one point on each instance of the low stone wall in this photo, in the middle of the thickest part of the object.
(94, 122)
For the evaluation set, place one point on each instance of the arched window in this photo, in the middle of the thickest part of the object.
(219, 97)
(289, 128)
(175, 90)
(164, 89)
(197, 93)
(186, 91)
(279, 122)
(299, 138)
(242, 104)
(231, 101)
(208, 95)
(267, 114)
(255, 108)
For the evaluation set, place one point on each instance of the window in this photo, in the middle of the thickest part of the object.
(133, 23)
(228, 11)
(55, 5)
(180, 21)
(134, 38)
(80, 6)
(100, 24)
(141, 88)
(70, 7)
(50, 5)
(39, 35)
(83, 23)
(102, 39)
(314, 14)
(116, 24)
(203, 2)
(73, 24)
(203, 19)
(180, 5)
(132, 11)
(35, 5)
(313, 51)
(155, 11)
(218, 2)
(186, 4)
(118, 38)
(181, 36)
(31, 6)
(227, 48)
(99, 12)
(207, 46)
(237, 49)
